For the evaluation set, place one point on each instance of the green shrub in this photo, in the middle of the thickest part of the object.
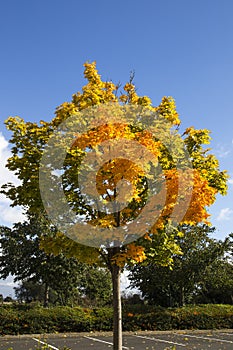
(191, 317)
(22, 319)
(9, 321)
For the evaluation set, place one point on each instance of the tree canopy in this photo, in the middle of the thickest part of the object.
(29, 141)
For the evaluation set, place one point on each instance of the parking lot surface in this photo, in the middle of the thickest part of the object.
(189, 340)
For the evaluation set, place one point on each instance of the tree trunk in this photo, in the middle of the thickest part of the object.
(46, 295)
(182, 299)
(117, 312)
(170, 295)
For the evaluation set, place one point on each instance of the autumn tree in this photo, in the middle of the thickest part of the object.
(112, 172)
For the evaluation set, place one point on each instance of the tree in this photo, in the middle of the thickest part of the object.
(98, 228)
(216, 286)
(8, 299)
(95, 286)
(41, 272)
(178, 285)
(29, 291)
(33, 265)
(217, 283)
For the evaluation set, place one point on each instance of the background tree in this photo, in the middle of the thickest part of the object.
(29, 140)
(29, 291)
(216, 286)
(176, 286)
(8, 299)
(96, 286)
(40, 272)
(217, 283)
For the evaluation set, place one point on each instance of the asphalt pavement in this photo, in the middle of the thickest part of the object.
(188, 340)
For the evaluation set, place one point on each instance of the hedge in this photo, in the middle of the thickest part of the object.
(23, 319)
(189, 317)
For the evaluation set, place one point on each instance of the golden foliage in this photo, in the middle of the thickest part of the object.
(206, 181)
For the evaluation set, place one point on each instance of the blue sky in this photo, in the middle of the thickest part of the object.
(179, 48)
